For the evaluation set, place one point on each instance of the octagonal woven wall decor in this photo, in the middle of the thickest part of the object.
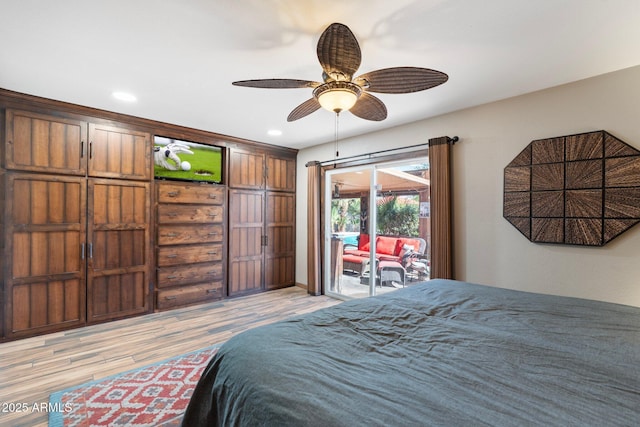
(579, 189)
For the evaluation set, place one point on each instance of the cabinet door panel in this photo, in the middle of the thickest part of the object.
(118, 237)
(245, 276)
(246, 170)
(45, 286)
(280, 272)
(42, 143)
(280, 248)
(46, 253)
(46, 240)
(45, 305)
(281, 173)
(117, 295)
(119, 153)
(114, 249)
(246, 228)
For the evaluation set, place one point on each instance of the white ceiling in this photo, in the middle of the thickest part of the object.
(179, 57)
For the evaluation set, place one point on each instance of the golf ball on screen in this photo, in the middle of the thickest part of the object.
(185, 166)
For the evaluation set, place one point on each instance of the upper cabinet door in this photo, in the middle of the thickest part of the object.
(119, 153)
(42, 143)
(281, 173)
(246, 170)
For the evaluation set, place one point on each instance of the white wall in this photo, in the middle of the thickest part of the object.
(488, 249)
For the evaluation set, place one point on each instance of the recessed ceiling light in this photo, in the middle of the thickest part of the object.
(274, 132)
(124, 96)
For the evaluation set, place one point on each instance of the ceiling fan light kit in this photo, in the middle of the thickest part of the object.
(340, 57)
(337, 96)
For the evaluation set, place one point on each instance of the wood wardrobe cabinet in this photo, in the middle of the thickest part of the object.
(88, 235)
(261, 221)
(190, 243)
(76, 240)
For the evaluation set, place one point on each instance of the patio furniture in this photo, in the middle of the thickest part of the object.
(388, 248)
(391, 272)
(388, 273)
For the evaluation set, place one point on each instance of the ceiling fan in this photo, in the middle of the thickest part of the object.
(339, 55)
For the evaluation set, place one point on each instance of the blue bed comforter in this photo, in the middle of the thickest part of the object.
(439, 353)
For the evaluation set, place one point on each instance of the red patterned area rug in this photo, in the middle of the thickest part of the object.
(155, 395)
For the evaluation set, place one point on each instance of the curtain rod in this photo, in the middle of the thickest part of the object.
(374, 154)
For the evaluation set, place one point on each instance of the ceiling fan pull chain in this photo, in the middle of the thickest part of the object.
(336, 133)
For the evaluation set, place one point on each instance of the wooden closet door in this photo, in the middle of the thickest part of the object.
(45, 286)
(280, 244)
(246, 169)
(119, 153)
(43, 143)
(246, 237)
(281, 173)
(118, 272)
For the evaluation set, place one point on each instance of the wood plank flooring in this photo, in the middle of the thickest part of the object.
(33, 368)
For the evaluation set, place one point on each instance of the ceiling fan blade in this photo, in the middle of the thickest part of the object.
(339, 52)
(369, 107)
(277, 83)
(304, 109)
(401, 80)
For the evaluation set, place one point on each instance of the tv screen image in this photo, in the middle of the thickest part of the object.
(186, 160)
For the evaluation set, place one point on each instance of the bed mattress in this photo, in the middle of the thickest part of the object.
(438, 353)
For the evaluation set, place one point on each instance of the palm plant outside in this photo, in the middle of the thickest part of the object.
(396, 216)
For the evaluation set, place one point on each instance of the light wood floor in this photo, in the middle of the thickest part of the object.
(31, 369)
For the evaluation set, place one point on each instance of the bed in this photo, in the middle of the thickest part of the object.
(437, 353)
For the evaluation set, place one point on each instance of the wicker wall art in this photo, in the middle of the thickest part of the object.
(579, 189)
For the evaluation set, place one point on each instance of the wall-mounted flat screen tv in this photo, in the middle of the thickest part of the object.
(186, 160)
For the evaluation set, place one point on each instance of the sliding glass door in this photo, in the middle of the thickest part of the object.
(376, 227)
